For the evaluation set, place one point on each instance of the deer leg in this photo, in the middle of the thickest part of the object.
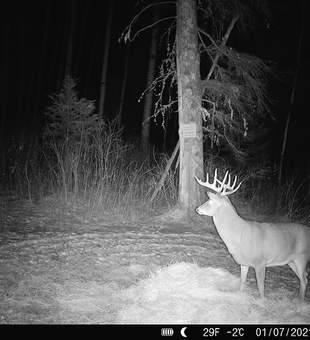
(292, 265)
(260, 278)
(243, 276)
(299, 268)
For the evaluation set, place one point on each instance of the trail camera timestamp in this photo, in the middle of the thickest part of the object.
(256, 332)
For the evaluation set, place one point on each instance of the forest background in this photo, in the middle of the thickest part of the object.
(45, 40)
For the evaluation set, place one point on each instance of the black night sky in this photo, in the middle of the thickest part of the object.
(33, 47)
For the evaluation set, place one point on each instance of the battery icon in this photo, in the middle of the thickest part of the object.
(167, 331)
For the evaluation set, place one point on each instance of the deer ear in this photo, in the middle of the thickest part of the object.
(212, 195)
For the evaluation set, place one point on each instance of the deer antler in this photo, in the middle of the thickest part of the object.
(213, 185)
(224, 189)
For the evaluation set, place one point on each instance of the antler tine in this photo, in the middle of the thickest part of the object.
(209, 185)
(215, 180)
(215, 176)
(225, 177)
(235, 181)
(229, 180)
(230, 189)
(223, 189)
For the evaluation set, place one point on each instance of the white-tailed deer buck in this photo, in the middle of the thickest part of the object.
(254, 244)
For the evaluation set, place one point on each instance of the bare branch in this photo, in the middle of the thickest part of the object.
(159, 79)
(127, 31)
(209, 36)
(223, 43)
(229, 29)
(146, 27)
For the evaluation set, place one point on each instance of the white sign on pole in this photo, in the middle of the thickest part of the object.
(188, 130)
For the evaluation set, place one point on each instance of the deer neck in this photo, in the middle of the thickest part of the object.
(228, 223)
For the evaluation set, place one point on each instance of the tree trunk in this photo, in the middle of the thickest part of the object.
(91, 63)
(189, 102)
(4, 72)
(42, 63)
(72, 16)
(64, 40)
(148, 98)
(103, 83)
(81, 40)
(292, 95)
(21, 117)
(122, 97)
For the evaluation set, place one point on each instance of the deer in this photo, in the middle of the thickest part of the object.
(254, 244)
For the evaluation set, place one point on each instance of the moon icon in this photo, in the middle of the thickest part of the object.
(183, 332)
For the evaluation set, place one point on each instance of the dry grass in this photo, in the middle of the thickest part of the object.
(185, 293)
(57, 293)
(69, 284)
(108, 175)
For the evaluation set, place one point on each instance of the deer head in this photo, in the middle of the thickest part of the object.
(222, 188)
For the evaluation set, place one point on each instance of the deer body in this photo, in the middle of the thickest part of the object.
(258, 245)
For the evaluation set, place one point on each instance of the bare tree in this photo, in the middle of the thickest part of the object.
(148, 96)
(71, 36)
(103, 83)
(4, 70)
(64, 39)
(235, 91)
(21, 116)
(81, 39)
(189, 103)
(292, 94)
(42, 62)
(228, 99)
(124, 83)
